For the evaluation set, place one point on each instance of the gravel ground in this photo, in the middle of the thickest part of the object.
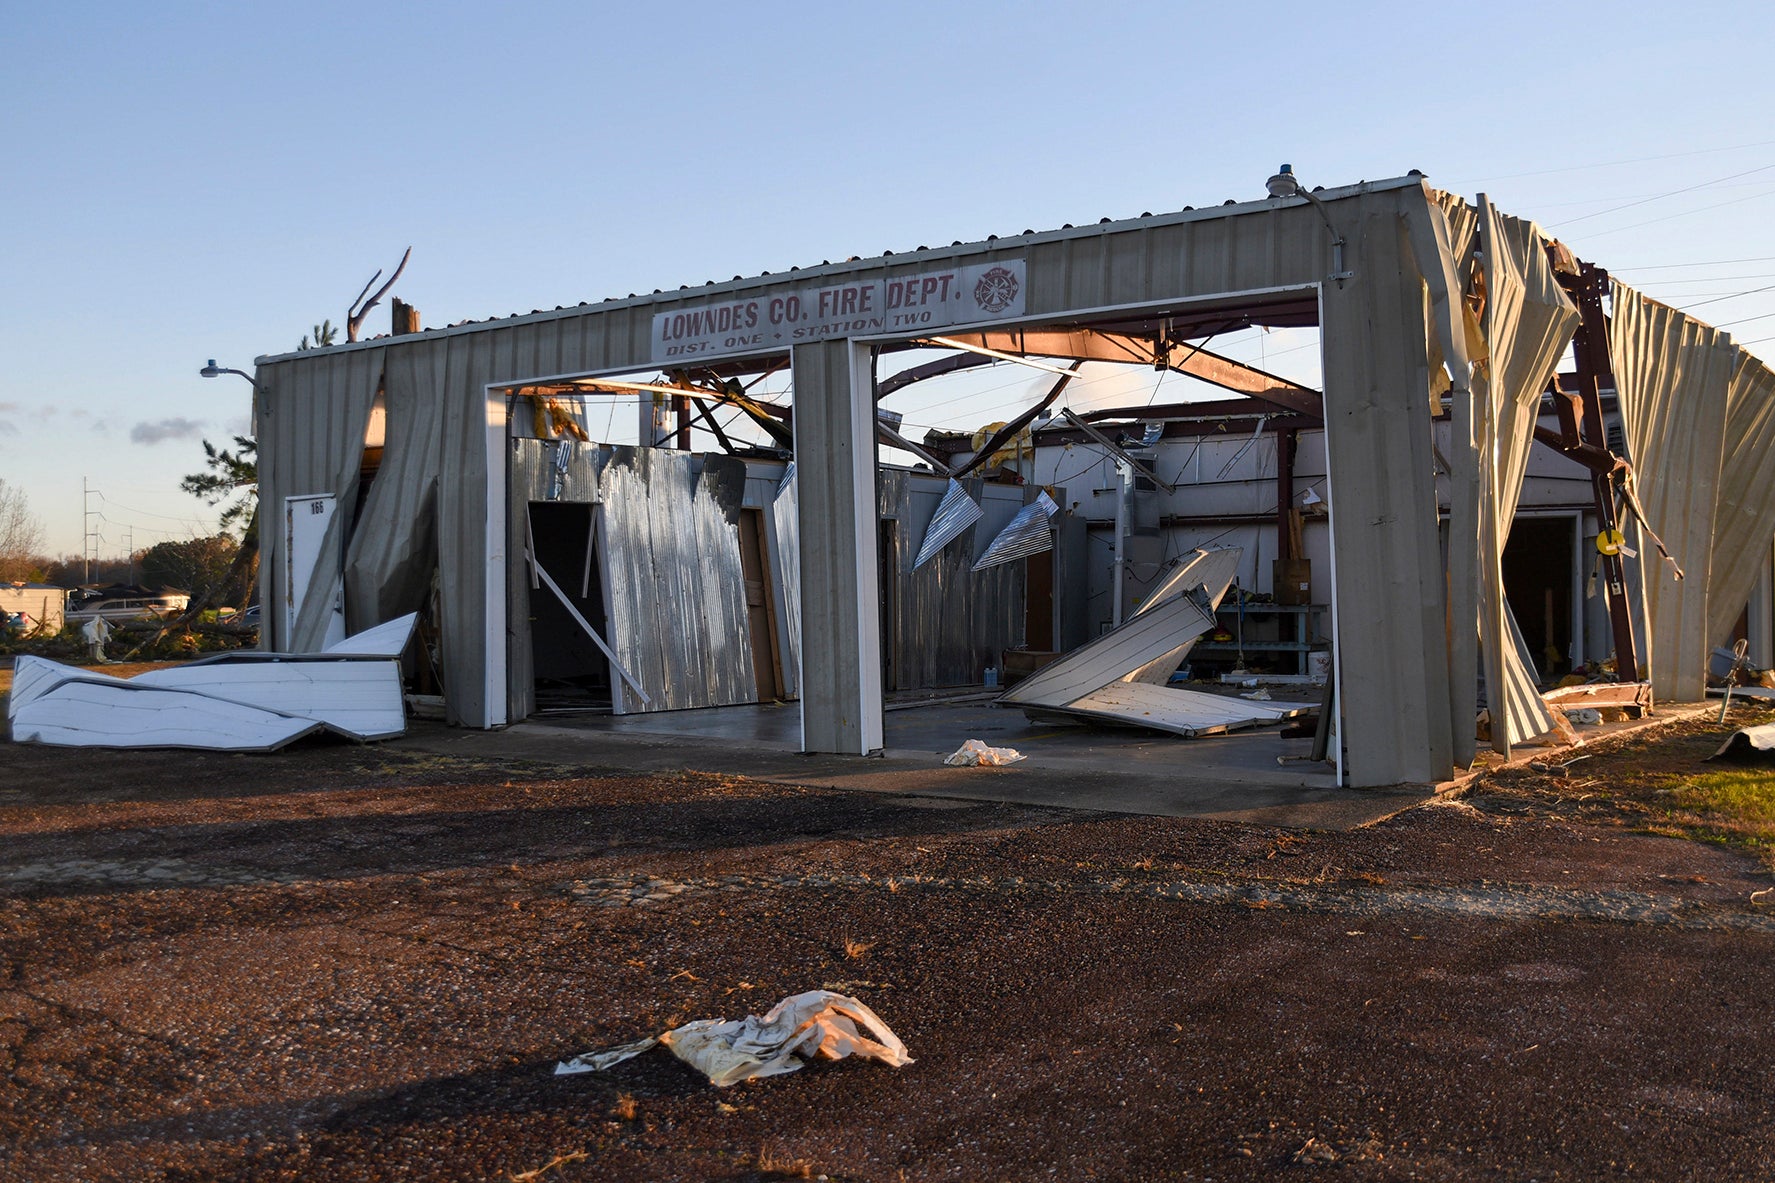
(351, 963)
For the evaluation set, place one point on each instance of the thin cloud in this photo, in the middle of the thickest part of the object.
(166, 429)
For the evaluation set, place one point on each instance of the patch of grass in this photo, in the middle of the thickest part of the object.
(1744, 796)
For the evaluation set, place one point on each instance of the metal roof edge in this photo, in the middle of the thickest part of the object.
(801, 274)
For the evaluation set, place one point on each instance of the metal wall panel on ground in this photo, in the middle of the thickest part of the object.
(1137, 642)
(1210, 569)
(1672, 378)
(1528, 322)
(1188, 713)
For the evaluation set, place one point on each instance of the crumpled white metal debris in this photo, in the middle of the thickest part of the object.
(975, 754)
(1750, 742)
(242, 701)
(819, 1023)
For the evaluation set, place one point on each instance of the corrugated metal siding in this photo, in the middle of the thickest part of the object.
(785, 513)
(1027, 534)
(1672, 376)
(393, 548)
(677, 590)
(1443, 243)
(312, 421)
(1745, 514)
(950, 622)
(955, 513)
(1528, 321)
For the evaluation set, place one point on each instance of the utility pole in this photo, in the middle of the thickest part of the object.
(89, 543)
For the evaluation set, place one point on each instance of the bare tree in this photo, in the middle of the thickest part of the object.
(354, 316)
(21, 533)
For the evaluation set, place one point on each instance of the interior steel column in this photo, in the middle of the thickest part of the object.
(841, 708)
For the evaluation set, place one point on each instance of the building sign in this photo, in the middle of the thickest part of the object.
(925, 302)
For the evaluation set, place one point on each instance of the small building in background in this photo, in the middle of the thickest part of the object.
(43, 606)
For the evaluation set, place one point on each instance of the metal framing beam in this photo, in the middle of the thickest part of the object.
(1590, 350)
(1176, 356)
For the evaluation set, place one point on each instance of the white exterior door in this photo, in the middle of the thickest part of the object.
(312, 566)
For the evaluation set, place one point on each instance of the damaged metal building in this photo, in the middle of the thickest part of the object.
(429, 471)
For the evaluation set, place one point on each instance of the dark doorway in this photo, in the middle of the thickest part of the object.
(1038, 602)
(888, 581)
(767, 665)
(1538, 586)
(569, 668)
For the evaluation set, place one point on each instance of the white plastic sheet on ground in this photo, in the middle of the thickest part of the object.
(802, 1027)
(977, 754)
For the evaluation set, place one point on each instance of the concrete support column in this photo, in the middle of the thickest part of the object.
(841, 708)
(1393, 659)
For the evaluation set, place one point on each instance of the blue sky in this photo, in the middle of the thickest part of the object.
(187, 181)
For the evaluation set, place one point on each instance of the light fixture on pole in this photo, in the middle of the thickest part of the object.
(1286, 184)
(212, 370)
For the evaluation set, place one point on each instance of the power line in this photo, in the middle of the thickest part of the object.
(1547, 205)
(150, 513)
(1684, 213)
(1734, 296)
(1661, 196)
(1709, 263)
(1714, 278)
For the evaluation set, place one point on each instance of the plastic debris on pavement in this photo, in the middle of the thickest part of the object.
(800, 1028)
(975, 754)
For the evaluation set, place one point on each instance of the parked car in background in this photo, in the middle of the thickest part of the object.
(147, 606)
